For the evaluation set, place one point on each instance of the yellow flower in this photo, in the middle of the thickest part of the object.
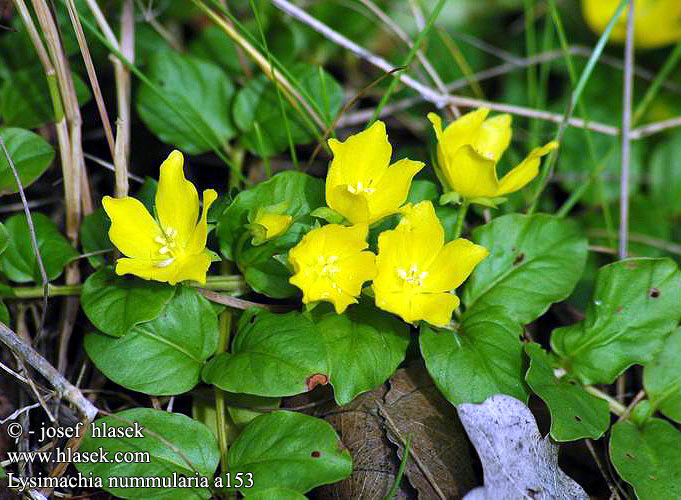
(172, 248)
(657, 22)
(468, 151)
(268, 225)
(417, 271)
(331, 264)
(360, 185)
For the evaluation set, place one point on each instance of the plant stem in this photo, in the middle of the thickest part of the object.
(223, 283)
(463, 209)
(410, 56)
(220, 410)
(615, 406)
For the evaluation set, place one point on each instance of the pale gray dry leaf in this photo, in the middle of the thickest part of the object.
(440, 461)
(517, 462)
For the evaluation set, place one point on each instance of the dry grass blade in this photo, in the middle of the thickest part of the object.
(31, 230)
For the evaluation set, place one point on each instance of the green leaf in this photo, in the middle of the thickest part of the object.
(648, 458)
(665, 174)
(199, 89)
(272, 355)
(31, 155)
(163, 356)
(19, 262)
(634, 306)
(4, 313)
(289, 450)
(295, 194)
(94, 236)
(212, 45)
(258, 114)
(482, 359)
(175, 444)
(575, 413)
(662, 378)
(115, 304)
(534, 261)
(4, 238)
(364, 345)
(25, 98)
(275, 494)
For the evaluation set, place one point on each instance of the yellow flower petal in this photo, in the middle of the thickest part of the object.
(197, 240)
(459, 132)
(525, 171)
(274, 224)
(330, 264)
(416, 272)
(177, 201)
(493, 137)
(657, 22)
(435, 308)
(471, 174)
(354, 207)
(392, 189)
(361, 157)
(425, 234)
(453, 265)
(185, 268)
(133, 230)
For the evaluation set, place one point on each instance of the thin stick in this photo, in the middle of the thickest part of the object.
(31, 231)
(427, 93)
(91, 73)
(234, 303)
(63, 387)
(122, 79)
(654, 128)
(626, 128)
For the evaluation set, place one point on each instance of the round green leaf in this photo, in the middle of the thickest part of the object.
(264, 266)
(665, 175)
(365, 346)
(275, 494)
(258, 112)
(175, 444)
(634, 306)
(115, 304)
(25, 98)
(272, 355)
(483, 359)
(19, 262)
(648, 458)
(212, 45)
(199, 90)
(575, 414)
(163, 356)
(31, 155)
(289, 450)
(534, 261)
(662, 378)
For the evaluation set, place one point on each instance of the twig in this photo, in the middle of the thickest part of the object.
(63, 387)
(111, 167)
(31, 231)
(639, 396)
(654, 128)
(122, 80)
(234, 303)
(427, 93)
(626, 128)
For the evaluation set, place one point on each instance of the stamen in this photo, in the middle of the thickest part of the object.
(165, 263)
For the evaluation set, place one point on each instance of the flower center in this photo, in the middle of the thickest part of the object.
(326, 266)
(360, 188)
(169, 246)
(412, 276)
